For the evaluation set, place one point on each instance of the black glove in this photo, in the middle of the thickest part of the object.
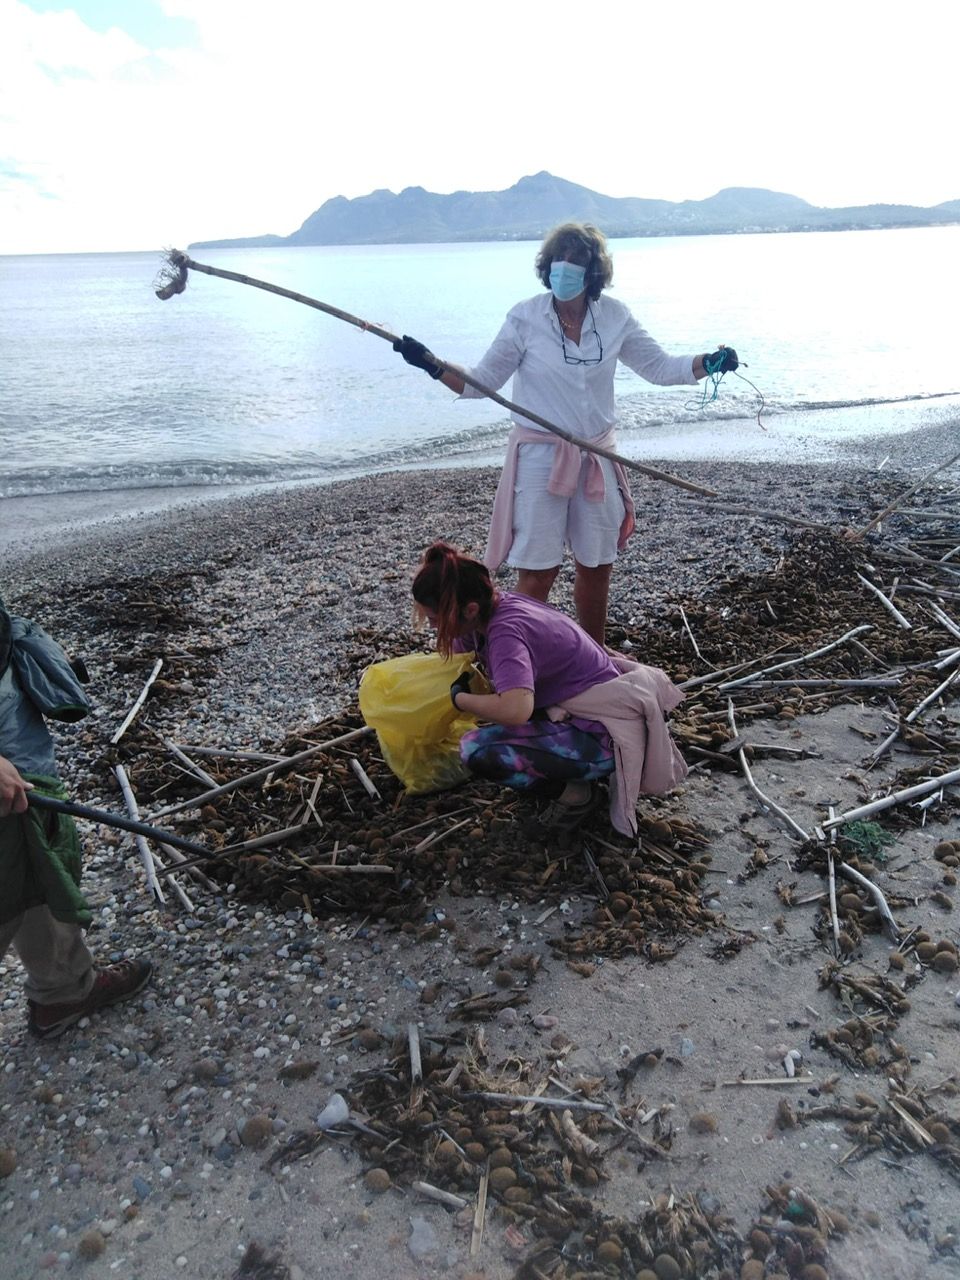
(418, 355)
(460, 685)
(722, 361)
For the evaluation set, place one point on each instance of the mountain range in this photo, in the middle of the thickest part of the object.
(533, 205)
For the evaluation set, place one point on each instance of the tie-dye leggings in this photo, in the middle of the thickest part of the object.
(526, 756)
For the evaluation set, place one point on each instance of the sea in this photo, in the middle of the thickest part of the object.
(106, 389)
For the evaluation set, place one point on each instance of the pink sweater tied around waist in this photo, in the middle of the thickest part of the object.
(563, 481)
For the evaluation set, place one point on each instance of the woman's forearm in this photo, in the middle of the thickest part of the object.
(514, 706)
(452, 379)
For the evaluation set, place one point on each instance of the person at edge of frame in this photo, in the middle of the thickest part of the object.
(42, 910)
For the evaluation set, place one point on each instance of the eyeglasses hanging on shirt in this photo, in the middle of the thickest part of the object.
(589, 341)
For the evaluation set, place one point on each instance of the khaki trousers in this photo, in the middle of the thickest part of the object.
(58, 962)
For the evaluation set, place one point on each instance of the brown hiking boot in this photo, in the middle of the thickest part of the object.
(111, 985)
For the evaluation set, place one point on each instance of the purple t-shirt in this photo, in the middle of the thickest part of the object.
(530, 645)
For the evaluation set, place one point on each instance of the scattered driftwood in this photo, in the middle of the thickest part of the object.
(832, 882)
(765, 800)
(413, 1042)
(479, 1217)
(867, 682)
(776, 1080)
(131, 714)
(229, 753)
(436, 836)
(365, 781)
(176, 856)
(146, 857)
(917, 711)
(693, 638)
(442, 1197)
(899, 797)
(760, 514)
(893, 931)
(281, 766)
(792, 662)
(893, 506)
(537, 1100)
(890, 607)
(187, 763)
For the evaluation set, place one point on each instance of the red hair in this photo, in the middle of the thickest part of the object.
(446, 583)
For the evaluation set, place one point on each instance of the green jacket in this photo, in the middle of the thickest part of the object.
(39, 850)
(40, 861)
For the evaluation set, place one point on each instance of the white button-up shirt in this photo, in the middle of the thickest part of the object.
(577, 397)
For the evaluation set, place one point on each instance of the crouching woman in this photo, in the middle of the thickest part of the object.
(565, 712)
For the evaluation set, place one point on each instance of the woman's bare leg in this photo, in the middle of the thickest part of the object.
(591, 589)
(536, 582)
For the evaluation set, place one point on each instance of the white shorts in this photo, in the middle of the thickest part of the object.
(544, 524)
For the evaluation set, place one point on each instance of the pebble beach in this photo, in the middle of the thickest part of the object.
(136, 1144)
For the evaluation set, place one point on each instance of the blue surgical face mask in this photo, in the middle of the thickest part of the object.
(566, 280)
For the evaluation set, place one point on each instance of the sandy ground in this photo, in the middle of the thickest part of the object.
(126, 1133)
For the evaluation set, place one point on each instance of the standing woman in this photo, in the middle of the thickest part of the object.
(564, 711)
(561, 348)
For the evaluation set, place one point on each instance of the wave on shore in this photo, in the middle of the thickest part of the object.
(684, 425)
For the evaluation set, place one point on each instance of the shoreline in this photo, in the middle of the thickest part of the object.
(39, 523)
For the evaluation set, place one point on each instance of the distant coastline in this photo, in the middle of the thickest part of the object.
(539, 201)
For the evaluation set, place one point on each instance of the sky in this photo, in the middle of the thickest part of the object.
(139, 124)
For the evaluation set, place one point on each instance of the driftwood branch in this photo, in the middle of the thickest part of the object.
(229, 753)
(187, 763)
(890, 924)
(180, 263)
(558, 1104)
(693, 638)
(479, 1217)
(284, 765)
(792, 662)
(887, 604)
(765, 800)
(861, 533)
(146, 857)
(131, 714)
(898, 797)
(436, 1193)
(364, 778)
(917, 711)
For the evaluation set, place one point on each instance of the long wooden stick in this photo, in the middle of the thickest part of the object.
(765, 800)
(281, 766)
(107, 819)
(181, 262)
(228, 753)
(889, 923)
(832, 880)
(887, 604)
(188, 763)
(128, 720)
(792, 662)
(861, 533)
(909, 719)
(887, 802)
(480, 1213)
(146, 857)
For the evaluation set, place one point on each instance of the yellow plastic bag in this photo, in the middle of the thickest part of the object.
(407, 701)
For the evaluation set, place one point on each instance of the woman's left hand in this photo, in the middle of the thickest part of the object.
(723, 360)
(460, 685)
